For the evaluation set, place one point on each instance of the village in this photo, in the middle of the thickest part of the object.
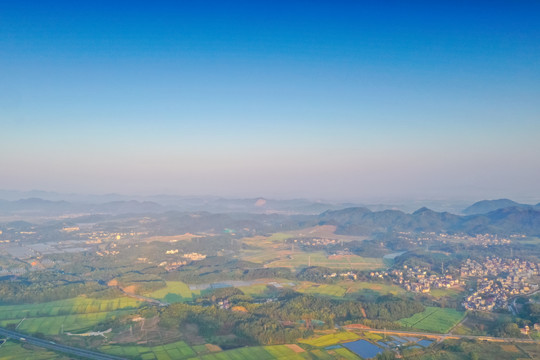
(417, 279)
(497, 281)
(483, 240)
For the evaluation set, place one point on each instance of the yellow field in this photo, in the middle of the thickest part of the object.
(330, 339)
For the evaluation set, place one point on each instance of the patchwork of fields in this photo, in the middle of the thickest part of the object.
(434, 319)
(279, 352)
(180, 350)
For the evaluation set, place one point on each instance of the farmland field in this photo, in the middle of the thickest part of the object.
(281, 352)
(439, 293)
(331, 339)
(254, 290)
(14, 351)
(362, 287)
(76, 314)
(303, 259)
(434, 319)
(52, 325)
(78, 305)
(176, 350)
(274, 251)
(343, 353)
(180, 350)
(175, 291)
(321, 289)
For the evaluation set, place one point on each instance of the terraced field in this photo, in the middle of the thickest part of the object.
(434, 319)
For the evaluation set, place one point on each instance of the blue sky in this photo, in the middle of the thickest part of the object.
(336, 100)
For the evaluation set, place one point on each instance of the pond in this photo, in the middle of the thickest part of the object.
(363, 348)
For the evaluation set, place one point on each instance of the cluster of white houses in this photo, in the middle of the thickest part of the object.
(417, 279)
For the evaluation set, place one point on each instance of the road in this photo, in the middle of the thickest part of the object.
(83, 353)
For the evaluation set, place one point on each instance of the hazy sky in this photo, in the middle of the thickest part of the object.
(336, 99)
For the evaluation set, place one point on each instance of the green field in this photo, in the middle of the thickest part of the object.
(331, 339)
(176, 350)
(254, 290)
(439, 293)
(321, 289)
(76, 314)
(52, 325)
(15, 351)
(364, 288)
(342, 353)
(173, 292)
(434, 319)
(78, 305)
(303, 259)
(180, 350)
(279, 237)
(483, 350)
(280, 352)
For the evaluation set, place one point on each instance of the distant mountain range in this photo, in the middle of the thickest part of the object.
(488, 216)
(37, 206)
(486, 206)
(41, 207)
(362, 221)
